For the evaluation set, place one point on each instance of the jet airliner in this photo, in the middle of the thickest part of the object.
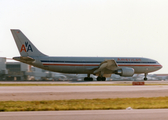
(100, 66)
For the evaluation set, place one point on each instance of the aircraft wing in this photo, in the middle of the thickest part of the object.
(107, 65)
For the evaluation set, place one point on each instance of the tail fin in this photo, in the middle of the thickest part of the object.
(25, 47)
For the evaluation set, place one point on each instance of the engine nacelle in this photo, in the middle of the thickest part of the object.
(125, 72)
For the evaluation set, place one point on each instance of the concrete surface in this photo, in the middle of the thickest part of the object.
(145, 114)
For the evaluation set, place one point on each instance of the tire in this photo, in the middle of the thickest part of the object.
(88, 79)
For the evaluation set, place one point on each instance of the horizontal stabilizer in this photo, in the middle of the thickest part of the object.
(24, 59)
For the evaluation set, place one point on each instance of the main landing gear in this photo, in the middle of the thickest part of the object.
(88, 78)
(145, 78)
(101, 78)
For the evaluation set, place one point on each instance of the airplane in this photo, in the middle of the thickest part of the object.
(100, 66)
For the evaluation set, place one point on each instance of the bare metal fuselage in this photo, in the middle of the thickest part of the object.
(86, 65)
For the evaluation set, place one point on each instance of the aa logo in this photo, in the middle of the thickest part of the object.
(27, 47)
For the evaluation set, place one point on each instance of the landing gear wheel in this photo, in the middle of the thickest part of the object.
(101, 79)
(98, 78)
(88, 79)
(145, 79)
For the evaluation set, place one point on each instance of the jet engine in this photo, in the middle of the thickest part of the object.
(125, 72)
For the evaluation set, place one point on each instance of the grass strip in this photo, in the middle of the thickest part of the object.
(85, 104)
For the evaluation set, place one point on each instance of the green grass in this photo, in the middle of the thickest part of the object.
(85, 104)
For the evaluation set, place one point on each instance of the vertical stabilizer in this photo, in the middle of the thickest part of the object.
(25, 47)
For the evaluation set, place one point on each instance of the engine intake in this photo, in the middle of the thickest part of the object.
(125, 72)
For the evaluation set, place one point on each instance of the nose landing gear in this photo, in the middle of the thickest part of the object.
(145, 78)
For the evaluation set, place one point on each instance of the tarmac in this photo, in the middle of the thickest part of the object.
(143, 114)
(29, 93)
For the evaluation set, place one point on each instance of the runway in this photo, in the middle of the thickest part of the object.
(145, 114)
(30, 93)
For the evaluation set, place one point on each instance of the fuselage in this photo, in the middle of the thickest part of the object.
(101, 66)
(86, 65)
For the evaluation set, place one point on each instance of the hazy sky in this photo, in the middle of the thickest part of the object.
(113, 28)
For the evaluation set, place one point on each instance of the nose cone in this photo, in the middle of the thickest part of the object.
(159, 66)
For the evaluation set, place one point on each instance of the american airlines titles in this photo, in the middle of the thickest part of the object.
(125, 59)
